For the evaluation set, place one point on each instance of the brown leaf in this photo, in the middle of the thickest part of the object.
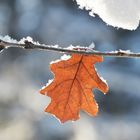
(71, 89)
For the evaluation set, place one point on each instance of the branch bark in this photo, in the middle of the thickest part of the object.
(86, 51)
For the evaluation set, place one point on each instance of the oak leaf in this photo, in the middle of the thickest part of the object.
(71, 89)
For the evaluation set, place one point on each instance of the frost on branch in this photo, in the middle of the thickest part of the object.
(29, 39)
(8, 39)
(118, 13)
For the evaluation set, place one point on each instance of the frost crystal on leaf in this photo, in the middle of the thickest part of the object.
(118, 13)
(63, 57)
(49, 82)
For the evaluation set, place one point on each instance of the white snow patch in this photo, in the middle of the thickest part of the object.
(121, 51)
(29, 39)
(118, 13)
(54, 46)
(125, 51)
(7, 38)
(63, 57)
(80, 48)
(92, 46)
(113, 51)
(70, 47)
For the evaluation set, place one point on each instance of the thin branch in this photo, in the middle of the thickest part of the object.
(30, 45)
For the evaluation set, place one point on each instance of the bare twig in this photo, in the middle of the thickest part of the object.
(30, 45)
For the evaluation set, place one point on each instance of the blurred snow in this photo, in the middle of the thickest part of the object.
(25, 132)
(118, 13)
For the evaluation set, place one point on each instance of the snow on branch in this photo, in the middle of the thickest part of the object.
(118, 13)
(28, 43)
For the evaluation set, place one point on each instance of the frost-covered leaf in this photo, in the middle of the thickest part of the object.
(71, 89)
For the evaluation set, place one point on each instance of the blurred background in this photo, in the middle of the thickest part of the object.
(24, 72)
